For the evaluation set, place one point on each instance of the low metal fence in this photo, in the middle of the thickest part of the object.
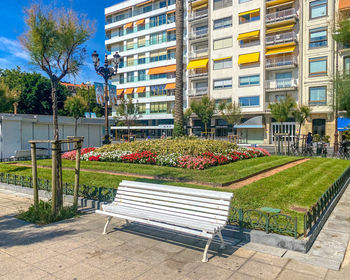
(89, 192)
(312, 217)
(260, 220)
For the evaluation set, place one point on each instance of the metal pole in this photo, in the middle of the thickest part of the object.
(77, 171)
(54, 177)
(336, 144)
(34, 174)
(89, 99)
(106, 113)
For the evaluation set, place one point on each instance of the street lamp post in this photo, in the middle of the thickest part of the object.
(88, 85)
(106, 73)
(336, 135)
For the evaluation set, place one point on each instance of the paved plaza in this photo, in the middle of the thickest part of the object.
(76, 249)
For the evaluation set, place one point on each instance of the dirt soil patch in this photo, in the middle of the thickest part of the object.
(265, 174)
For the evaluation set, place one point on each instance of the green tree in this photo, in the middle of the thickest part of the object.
(54, 40)
(231, 112)
(300, 114)
(76, 106)
(282, 110)
(179, 96)
(127, 112)
(204, 109)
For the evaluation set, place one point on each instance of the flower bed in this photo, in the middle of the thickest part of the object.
(184, 153)
(72, 154)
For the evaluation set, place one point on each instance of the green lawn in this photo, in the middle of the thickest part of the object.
(218, 174)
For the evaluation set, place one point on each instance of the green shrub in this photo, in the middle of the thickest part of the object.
(42, 214)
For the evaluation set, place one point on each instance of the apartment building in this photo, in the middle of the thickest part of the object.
(252, 52)
(143, 32)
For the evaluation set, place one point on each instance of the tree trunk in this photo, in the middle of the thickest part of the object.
(206, 129)
(56, 174)
(178, 107)
(76, 127)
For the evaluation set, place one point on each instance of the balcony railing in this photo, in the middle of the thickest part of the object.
(281, 61)
(281, 15)
(281, 38)
(147, 43)
(198, 34)
(198, 14)
(198, 72)
(277, 84)
(198, 91)
(198, 53)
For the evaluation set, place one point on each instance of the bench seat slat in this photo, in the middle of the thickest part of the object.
(181, 202)
(162, 225)
(164, 218)
(173, 195)
(180, 190)
(221, 220)
(121, 198)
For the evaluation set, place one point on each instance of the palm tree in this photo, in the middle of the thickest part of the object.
(300, 114)
(282, 110)
(178, 107)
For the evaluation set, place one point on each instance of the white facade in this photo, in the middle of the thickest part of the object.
(17, 130)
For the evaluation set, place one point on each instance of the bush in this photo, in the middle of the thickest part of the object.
(42, 214)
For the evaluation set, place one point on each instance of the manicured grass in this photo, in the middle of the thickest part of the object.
(218, 174)
(299, 186)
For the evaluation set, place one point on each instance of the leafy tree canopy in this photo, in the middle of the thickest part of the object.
(204, 109)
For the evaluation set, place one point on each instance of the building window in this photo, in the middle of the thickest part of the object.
(158, 38)
(222, 23)
(249, 101)
(219, 4)
(158, 56)
(159, 107)
(219, 101)
(318, 9)
(141, 108)
(141, 59)
(130, 44)
(347, 65)
(171, 18)
(130, 61)
(121, 78)
(158, 76)
(249, 17)
(130, 77)
(157, 20)
(158, 90)
(318, 66)
(223, 63)
(244, 1)
(318, 37)
(142, 75)
(223, 43)
(317, 95)
(223, 84)
(253, 80)
(171, 2)
(141, 27)
(171, 54)
(171, 36)
(319, 127)
(141, 42)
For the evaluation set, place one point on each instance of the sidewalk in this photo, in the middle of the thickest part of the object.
(76, 249)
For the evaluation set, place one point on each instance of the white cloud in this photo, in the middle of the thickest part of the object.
(13, 48)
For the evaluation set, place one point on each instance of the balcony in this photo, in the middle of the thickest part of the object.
(281, 84)
(200, 34)
(281, 62)
(198, 92)
(200, 72)
(284, 15)
(281, 38)
(198, 15)
(198, 53)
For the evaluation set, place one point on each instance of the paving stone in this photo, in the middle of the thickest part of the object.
(289, 274)
(306, 268)
(128, 269)
(84, 253)
(30, 273)
(260, 270)
(77, 272)
(37, 255)
(105, 260)
(265, 249)
(207, 271)
(56, 263)
(232, 262)
(241, 276)
(268, 259)
(11, 265)
(244, 253)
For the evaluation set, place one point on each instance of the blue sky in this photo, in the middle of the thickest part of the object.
(12, 26)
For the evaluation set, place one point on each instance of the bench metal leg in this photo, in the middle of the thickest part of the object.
(127, 222)
(205, 254)
(105, 229)
(222, 246)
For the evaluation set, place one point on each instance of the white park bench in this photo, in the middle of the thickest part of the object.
(193, 211)
(25, 154)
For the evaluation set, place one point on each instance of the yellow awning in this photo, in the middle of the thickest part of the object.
(280, 50)
(162, 70)
(141, 89)
(249, 12)
(144, 3)
(128, 25)
(248, 35)
(140, 21)
(170, 86)
(278, 2)
(199, 63)
(223, 58)
(120, 91)
(280, 29)
(280, 46)
(200, 7)
(199, 3)
(249, 58)
(129, 91)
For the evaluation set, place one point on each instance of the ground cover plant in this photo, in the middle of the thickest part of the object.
(190, 153)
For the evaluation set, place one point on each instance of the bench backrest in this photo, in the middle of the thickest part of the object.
(202, 205)
(27, 153)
